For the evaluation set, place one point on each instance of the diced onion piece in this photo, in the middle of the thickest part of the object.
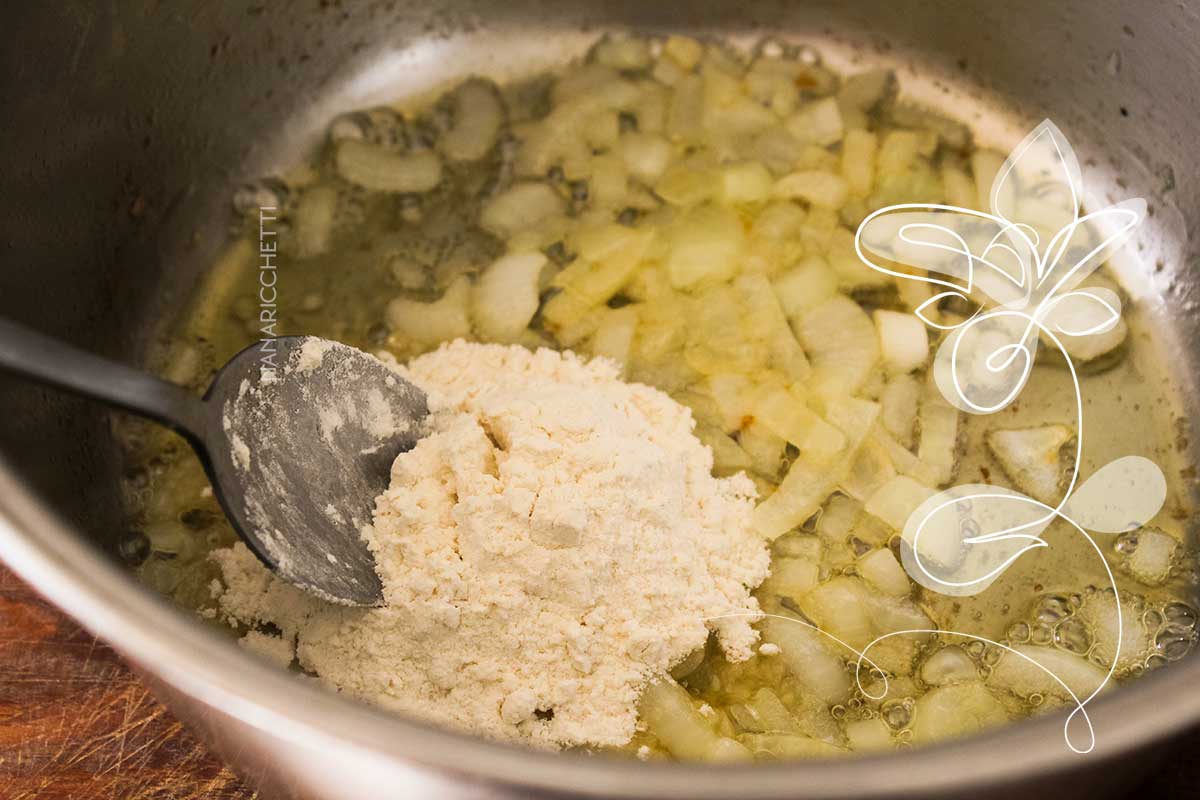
(866, 90)
(902, 458)
(858, 161)
(685, 114)
(807, 285)
(952, 711)
(671, 717)
(520, 207)
(898, 152)
(841, 343)
(623, 52)
(379, 169)
(883, 571)
(1032, 459)
(807, 485)
(949, 665)
(734, 395)
(440, 321)
(938, 423)
(985, 164)
(314, 220)
(837, 606)
(818, 122)
(1083, 349)
(704, 246)
(646, 155)
(1019, 676)
(478, 116)
(608, 256)
(959, 188)
(838, 518)
(506, 296)
(683, 50)
(899, 402)
(728, 455)
(1107, 627)
(789, 745)
(765, 316)
(895, 501)
(745, 182)
(614, 338)
(808, 658)
(791, 577)
(765, 447)
(869, 735)
(871, 469)
(903, 342)
(817, 187)
(1154, 556)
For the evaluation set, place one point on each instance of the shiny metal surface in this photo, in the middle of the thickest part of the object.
(127, 128)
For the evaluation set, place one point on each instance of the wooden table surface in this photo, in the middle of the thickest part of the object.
(77, 724)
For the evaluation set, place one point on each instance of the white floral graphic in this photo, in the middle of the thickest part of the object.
(1021, 265)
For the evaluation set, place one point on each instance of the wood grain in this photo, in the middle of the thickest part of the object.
(77, 724)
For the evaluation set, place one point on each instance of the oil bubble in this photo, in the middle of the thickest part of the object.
(1019, 632)
(1041, 634)
(1072, 635)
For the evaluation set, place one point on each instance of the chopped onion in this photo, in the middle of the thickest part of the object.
(443, 320)
(841, 343)
(704, 246)
(791, 577)
(646, 155)
(897, 153)
(895, 501)
(903, 342)
(808, 284)
(858, 161)
(869, 735)
(866, 90)
(790, 418)
(1153, 558)
(807, 485)
(314, 218)
(478, 116)
(745, 182)
(817, 187)
(379, 169)
(506, 296)
(883, 571)
(808, 658)
(1033, 459)
(899, 401)
(819, 122)
(521, 206)
(1017, 675)
(952, 711)
(949, 665)
(614, 337)
(939, 434)
(764, 316)
(670, 716)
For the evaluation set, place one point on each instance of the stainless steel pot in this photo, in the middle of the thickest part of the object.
(128, 126)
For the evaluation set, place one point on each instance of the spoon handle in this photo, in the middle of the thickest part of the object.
(47, 360)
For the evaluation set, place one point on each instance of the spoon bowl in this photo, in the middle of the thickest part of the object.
(297, 434)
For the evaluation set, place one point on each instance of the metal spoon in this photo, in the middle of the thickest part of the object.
(297, 435)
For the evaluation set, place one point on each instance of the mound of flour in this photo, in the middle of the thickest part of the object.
(555, 541)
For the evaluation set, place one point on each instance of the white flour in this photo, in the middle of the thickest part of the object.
(554, 542)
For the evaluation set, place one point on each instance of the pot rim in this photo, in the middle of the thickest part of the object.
(56, 560)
